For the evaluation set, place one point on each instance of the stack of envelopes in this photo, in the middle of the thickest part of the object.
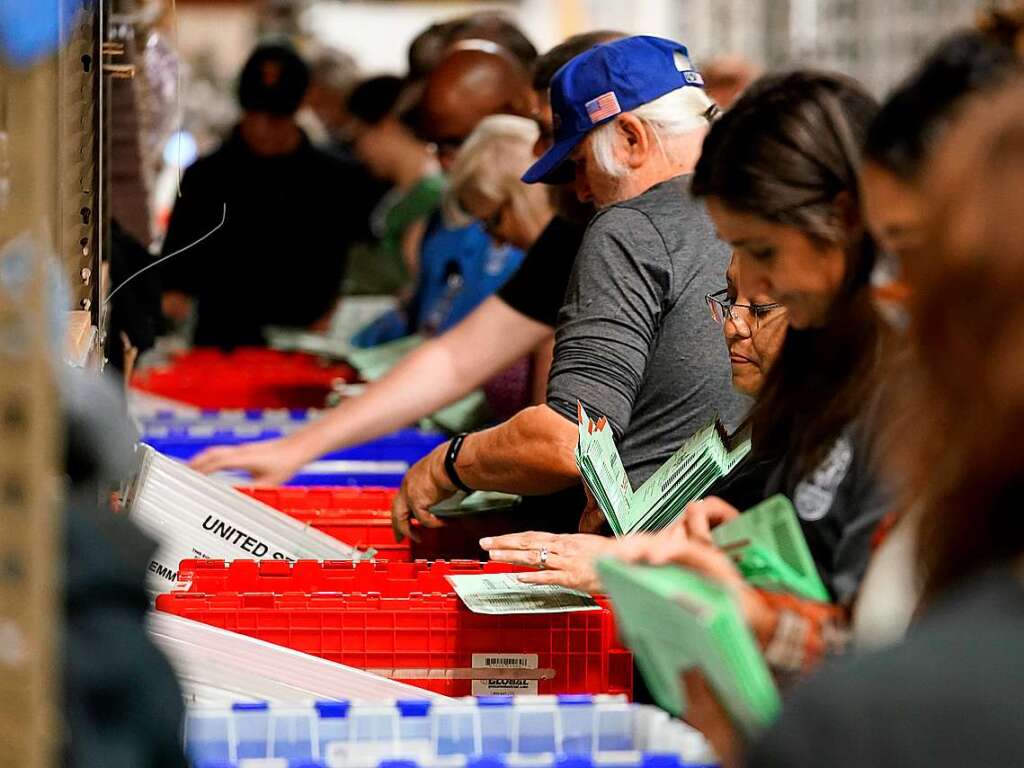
(704, 458)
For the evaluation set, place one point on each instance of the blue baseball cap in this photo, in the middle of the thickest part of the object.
(603, 82)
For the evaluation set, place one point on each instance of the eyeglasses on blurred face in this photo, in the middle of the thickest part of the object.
(723, 307)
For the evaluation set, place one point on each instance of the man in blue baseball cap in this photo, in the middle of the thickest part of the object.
(634, 340)
(625, 85)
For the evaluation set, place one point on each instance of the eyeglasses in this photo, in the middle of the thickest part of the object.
(723, 308)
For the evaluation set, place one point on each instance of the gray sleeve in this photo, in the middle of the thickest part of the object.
(613, 308)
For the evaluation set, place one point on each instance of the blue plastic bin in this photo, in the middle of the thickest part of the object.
(381, 462)
(496, 732)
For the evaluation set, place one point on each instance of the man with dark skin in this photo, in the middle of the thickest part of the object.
(476, 79)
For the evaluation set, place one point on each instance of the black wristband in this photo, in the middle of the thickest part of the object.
(449, 462)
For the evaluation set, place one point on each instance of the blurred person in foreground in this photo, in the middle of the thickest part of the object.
(505, 327)
(265, 219)
(950, 695)
(634, 341)
(915, 117)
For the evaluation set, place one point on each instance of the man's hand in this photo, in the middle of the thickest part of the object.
(592, 520)
(270, 462)
(424, 485)
(570, 557)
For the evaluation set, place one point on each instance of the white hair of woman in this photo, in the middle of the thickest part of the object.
(679, 112)
(489, 166)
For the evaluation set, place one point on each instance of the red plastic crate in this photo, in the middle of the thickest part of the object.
(347, 499)
(338, 512)
(245, 378)
(362, 529)
(335, 576)
(360, 517)
(427, 640)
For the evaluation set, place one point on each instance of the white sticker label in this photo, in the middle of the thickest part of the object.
(505, 686)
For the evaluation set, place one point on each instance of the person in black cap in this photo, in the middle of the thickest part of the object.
(270, 217)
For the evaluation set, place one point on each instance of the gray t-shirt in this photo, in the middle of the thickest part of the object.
(635, 341)
(842, 501)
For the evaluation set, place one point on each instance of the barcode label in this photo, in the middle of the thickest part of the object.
(505, 661)
(505, 686)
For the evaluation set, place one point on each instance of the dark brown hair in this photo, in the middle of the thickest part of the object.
(965, 461)
(547, 64)
(788, 151)
(916, 114)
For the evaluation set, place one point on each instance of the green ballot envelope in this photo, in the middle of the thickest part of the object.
(770, 549)
(704, 458)
(475, 503)
(675, 620)
(374, 362)
(461, 416)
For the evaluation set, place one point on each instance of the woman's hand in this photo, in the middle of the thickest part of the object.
(270, 462)
(569, 561)
(674, 547)
(705, 713)
(701, 516)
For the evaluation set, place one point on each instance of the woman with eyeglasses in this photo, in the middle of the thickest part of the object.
(754, 329)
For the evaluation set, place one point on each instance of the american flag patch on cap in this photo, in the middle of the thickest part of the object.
(603, 106)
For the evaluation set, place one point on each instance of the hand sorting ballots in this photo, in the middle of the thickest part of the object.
(424, 485)
(566, 560)
(269, 462)
(569, 560)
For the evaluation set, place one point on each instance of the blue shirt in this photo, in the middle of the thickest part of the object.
(459, 268)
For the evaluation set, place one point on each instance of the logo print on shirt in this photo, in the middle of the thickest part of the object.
(815, 494)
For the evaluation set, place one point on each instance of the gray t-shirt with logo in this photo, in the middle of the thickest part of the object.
(841, 502)
(635, 341)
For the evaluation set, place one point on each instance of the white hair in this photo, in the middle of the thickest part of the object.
(489, 166)
(677, 113)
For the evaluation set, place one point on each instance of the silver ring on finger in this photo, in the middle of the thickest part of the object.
(544, 557)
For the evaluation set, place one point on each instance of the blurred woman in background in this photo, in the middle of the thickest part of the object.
(484, 183)
(393, 153)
